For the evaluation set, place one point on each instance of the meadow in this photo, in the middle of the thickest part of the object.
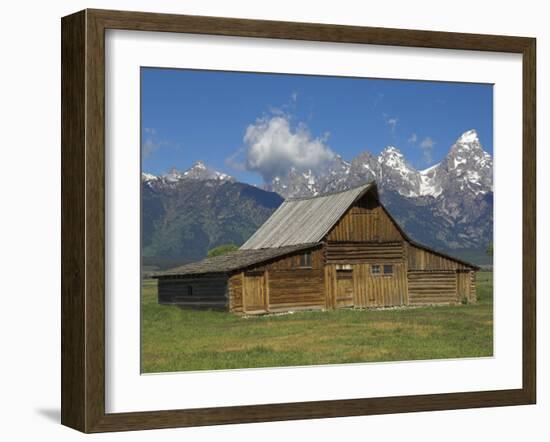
(173, 339)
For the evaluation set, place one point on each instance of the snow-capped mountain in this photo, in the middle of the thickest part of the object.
(466, 168)
(363, 168)
(199, 171)
(395, 173)
(146, 177)
(296, 183)
(334, 176)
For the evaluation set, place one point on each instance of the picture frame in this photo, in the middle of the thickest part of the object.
(84, 190)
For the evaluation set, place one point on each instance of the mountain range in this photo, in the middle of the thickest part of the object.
(186, 214)
(448, 206)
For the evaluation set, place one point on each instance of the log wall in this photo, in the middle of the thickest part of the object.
(286, 285)
(421, 259)
(473, 292)
(292, 262)
(463, 282)
(435, 287)
(208, 292)
(365, 252)
(296, 289)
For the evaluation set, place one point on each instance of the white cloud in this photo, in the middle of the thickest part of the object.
(427, 145)
(412, 139)
(273, 146)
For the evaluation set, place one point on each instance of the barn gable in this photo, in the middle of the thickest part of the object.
(366, 220)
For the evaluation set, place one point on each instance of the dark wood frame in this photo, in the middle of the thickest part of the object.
(83, 216)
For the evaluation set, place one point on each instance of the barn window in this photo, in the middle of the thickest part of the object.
(305, 259)
(388, 269)
(375, 269)
(189, 290)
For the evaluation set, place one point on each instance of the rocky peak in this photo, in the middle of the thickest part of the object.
(296, 183)
(146, 177)
(199, 171)
(467, 166)
(391, 156)
(396, 173)
(468, 137)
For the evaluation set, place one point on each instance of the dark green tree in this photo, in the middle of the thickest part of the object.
(222, 250)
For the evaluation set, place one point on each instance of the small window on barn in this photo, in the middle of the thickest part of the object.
(189, 290)
(375, 269)
(305, 259)
(388, 269)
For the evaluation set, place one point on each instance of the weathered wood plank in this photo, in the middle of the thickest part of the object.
(366, 221)
(420, 259)
(433, 287)
(194, 292)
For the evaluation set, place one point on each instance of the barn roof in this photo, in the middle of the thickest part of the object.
(304, 220)
(236, 260)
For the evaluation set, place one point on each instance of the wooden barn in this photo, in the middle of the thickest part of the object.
(342, 250)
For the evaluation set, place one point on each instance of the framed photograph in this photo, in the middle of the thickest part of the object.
(269, 220)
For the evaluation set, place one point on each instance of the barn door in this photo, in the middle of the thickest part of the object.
(254, 291)
(344, 288)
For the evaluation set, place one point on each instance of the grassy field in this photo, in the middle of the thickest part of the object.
(179, 340)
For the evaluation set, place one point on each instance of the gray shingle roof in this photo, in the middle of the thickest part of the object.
(304, 220)
(239, 259)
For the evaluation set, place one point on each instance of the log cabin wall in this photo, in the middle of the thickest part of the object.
(435, 279)
(421, 259)
(463, 283)
(288, 284)
(296, 289)
(432, 287)
(206, 292)
(473, 292)
(361, 252)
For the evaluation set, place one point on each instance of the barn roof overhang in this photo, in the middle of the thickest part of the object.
(231, 262)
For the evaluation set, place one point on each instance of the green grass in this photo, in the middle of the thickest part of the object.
(174, 339)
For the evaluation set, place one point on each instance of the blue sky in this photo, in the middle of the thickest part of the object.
(249, 125)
